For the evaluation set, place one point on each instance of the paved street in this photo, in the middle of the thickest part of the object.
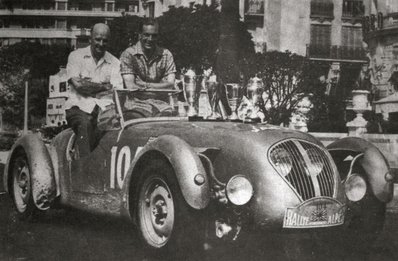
(70, 235)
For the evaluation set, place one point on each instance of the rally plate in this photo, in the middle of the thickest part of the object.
(314, 213)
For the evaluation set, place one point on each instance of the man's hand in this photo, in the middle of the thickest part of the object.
(141, 84)
(86, 88)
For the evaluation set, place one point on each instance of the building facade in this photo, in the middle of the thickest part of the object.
(58, 21)
(69, 21)
(381, 36)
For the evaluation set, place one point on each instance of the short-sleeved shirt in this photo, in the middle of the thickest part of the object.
(81, 64)
(154, 69)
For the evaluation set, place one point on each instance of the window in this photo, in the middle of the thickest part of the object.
(353, 8)
(61, 24)
(320, 42)
(322, 8)
(61, 6)
(109, 7)
(151, 8)
(50, 106)
(351, 36)
(253, 7)
(62, 87)
(320, 35)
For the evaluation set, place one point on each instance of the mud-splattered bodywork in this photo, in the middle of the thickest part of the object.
(204, 156)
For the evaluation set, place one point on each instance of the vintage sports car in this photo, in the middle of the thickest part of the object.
(173, 176)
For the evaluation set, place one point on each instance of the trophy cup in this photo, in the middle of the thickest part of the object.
(255, 89)
(234, 94)
(212, 92)
(190, 92)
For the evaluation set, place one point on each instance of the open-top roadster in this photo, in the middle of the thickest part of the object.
(174, 176)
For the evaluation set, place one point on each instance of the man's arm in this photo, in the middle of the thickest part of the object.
(133, 82)
(87, 88)
(82, 85)
(166, 83)
(129, 82)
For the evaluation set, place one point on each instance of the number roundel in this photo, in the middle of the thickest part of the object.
(120, 163)
(123, 164)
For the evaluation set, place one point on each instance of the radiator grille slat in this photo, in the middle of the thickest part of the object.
(302, 171)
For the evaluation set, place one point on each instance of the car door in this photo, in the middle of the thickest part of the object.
(90, 173)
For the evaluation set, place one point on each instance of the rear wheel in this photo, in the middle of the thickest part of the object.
(22, 188)
(165, 221)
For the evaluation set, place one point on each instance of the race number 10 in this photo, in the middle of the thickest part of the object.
(120, 164)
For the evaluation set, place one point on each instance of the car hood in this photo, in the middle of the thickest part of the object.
(199, 133)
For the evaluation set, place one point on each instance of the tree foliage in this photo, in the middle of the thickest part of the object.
(40, 61)
(287, 77)
(192, 35)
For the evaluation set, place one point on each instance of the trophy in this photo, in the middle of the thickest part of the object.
(190, 92)
(234, 94)
(255, 90)
(211, 86)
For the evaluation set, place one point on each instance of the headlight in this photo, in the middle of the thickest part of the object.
(355, 187)
(315, 165)
(282, 161)
(239, 190)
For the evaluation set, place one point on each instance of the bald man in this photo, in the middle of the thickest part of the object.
(92, 71)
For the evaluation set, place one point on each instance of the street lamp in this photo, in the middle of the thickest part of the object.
(25, 121)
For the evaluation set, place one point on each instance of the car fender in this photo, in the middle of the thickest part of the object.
(186, 165)
(373, 162)
(42, 172)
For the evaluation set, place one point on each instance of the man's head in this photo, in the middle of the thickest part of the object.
(149, 34)
(100, 34)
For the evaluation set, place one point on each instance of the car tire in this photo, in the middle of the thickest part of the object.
(167, 225)
(21, 188)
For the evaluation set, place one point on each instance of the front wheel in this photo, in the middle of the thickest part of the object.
(165, 221)
(156, 211)
(22, 188)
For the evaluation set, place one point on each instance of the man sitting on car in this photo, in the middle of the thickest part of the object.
(92, 71)
(148, 66)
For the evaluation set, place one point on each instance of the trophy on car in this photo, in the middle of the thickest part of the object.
(190, 91)
(234, 95)
(212, 86)
(255, 89)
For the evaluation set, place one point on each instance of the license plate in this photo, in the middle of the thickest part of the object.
(315, 212)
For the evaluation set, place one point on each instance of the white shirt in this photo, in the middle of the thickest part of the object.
(81, 64)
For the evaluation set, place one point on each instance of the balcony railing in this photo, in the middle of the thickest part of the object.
(322, 8)
(64, 13)
(254, 7)
(353, 9)
(335, 52)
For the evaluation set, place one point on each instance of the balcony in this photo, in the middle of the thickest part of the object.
(380, 26)
(322, 9)
(34, 33)
(63, 13)
(336, 52)
(254, 7)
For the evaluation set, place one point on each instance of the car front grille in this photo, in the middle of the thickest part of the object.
(307, 167)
